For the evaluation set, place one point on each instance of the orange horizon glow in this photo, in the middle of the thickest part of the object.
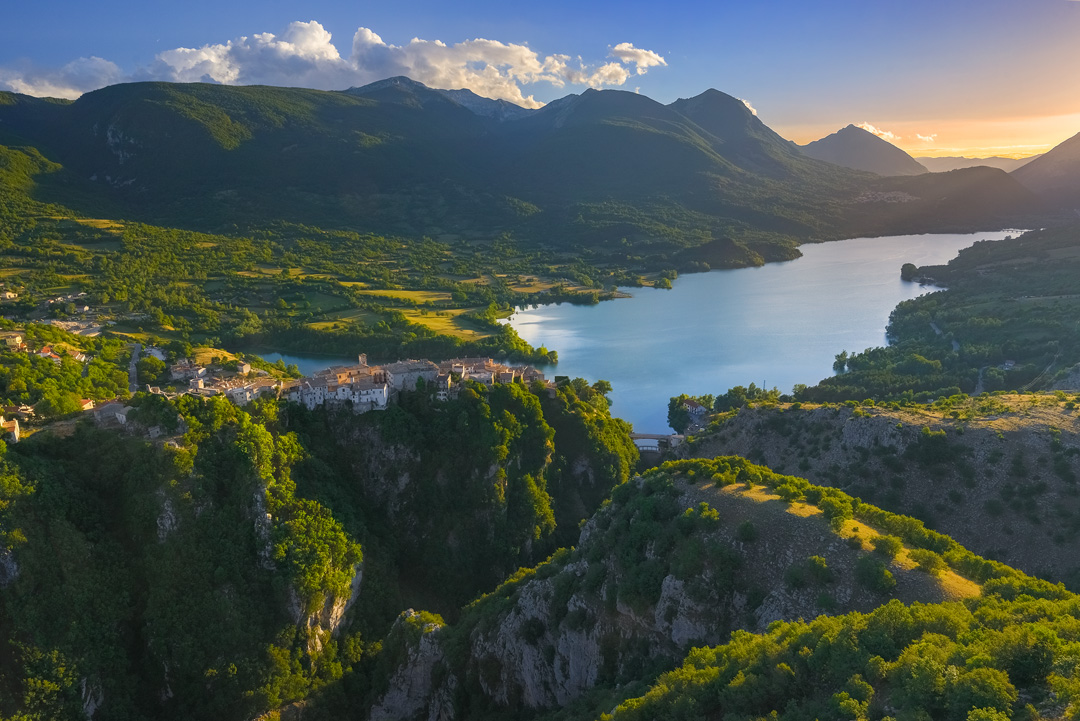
(969, 138)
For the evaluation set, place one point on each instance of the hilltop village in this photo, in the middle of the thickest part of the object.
(359, 388)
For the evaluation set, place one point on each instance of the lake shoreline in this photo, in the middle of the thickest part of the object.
(782, 322)
(675, 347)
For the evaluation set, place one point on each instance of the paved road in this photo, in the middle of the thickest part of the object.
(132, 375)
(955, 343)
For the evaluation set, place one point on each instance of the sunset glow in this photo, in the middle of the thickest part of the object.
(974, 138)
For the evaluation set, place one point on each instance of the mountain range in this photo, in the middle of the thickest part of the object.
(594, 169)
(1053, 176)
(947, 163)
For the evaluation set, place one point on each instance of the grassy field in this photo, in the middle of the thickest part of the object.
(448, 322)
(203, 354)
(418, 296)
(343, 317)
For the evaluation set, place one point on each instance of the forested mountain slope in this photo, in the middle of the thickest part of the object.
(247, 559)
(399, 157)
(989, 659)
(680, 557)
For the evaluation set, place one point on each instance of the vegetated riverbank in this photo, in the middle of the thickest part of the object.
(1007, 321)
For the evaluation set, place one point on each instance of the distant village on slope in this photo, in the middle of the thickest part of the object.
(359, 388)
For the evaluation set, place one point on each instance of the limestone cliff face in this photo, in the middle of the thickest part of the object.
(9, 567)
(412, 692)
(656, 572)
(326, 618)
(385, 469)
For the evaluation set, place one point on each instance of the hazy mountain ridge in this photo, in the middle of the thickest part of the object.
(944, 164)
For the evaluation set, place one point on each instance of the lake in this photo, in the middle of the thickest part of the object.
(776, 325)
(308, 365)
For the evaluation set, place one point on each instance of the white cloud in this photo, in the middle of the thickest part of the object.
(304, 55)
(927, 138)
(883, 134)
(71, 81)
(749, 107)
(642, 59)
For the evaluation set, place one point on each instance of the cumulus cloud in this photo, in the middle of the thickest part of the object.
(304, 55)
(749, 107)
(71, 81)
(927, 138)
(883, 134)
(642, 59)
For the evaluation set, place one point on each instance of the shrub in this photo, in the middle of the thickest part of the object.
(819, 570)
(871, 573)
(532, 630)
(796, 576)
(929, 562)
(813, 570)
(747, 532)
(888, 546)
(981, 688)
(836, 509)
(826, 602)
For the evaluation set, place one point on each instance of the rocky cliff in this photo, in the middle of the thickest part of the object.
(674, 561)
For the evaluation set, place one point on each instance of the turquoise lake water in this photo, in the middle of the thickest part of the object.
(308, 365)
(776, 325)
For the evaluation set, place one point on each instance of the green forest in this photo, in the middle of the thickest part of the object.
(217, 569)
(507, 552)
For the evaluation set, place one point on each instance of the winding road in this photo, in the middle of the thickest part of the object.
(132, 374)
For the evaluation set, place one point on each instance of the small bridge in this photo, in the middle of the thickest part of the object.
(656, 443)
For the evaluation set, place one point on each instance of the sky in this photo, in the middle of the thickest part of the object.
(962, 77)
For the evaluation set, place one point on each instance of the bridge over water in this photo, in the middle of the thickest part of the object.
(656, 442)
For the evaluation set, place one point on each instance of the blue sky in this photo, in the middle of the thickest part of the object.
(964, 75)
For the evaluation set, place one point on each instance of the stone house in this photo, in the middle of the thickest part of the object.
(404, 374)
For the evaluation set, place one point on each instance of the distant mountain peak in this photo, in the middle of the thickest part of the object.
(401, 90)
(494, 108)
(859, 149)
(715, 100)
(398, 81)
(414, 92)
(725, 116)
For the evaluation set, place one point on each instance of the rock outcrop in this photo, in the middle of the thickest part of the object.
(667, 566)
